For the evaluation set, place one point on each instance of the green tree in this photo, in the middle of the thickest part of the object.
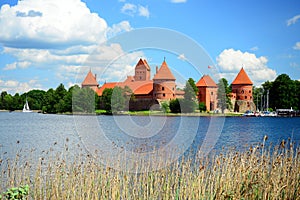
(118, 100)
(49, 102)
(83, 100)
(202, 106)
(3, 94)
(224, 101)
(193, 85)
(165, 107)
(106, 99)
(188, 104)
(282, 93)
(175, 106)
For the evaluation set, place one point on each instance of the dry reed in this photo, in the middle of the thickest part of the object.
(258, 173)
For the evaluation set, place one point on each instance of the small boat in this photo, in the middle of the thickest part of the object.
(26, 107)
(249, 113)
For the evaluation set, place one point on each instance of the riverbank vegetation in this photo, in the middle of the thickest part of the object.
(258, 173)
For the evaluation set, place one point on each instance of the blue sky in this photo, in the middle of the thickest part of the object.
(47, 42)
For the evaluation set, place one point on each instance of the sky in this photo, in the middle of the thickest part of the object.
(47, 42)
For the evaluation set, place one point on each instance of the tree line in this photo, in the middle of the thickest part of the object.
(280, 93)
(59, 100)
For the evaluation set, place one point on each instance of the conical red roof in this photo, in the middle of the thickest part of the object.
(242, 79)
(206, 81)
(164, 73)
(90, 80)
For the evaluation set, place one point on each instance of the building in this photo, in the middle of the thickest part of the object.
(90, 81)
(242, 96)
(164, 87)
(161, 88)
(207, 92)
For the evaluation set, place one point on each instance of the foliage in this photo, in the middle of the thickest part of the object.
(174, 106)
(191, 81)
(188, 104)
(224, 101)
(118, 100)
(106, 99)
(283, 93)
(83, 100)
(16, 193)
(59, 100)
(165, 107)
(202, 107)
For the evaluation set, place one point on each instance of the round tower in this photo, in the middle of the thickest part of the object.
(242, 90)
(164, 86)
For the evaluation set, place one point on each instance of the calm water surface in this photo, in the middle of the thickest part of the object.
(39, 133)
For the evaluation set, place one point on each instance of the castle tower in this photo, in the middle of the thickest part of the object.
(164, 86)
(242, 90)
(142, 71)
(207, 92)
(90, 81)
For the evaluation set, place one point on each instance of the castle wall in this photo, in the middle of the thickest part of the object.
(243, 92)
(164, 89)
(208, 95)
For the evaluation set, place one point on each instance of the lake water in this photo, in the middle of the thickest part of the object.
(139, 136)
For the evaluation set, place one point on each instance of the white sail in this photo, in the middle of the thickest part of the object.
(26, 107)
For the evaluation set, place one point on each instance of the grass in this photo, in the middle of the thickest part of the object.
(258, 173)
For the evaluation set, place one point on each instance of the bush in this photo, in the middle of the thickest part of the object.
(175, 106)
(202, 107)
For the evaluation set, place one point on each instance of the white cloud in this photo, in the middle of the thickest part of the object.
(230, 62)
(181, 57)
(297, 46)
(144, 11)
(132, 9)
(10, 66)
(292, 20)
(129, 9)
(50, 23)
(65, 39)
(13, 86)
(116, 29)
(178, 1)
(254, 48)
(15, 65)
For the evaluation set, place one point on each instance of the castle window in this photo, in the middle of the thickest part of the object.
(249, 91)
(212, 93)
(163, 88)
(245, 97)
(140, 77)
(164, 94)
(242, 92)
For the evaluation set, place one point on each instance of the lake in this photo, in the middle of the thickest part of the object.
(137, 136)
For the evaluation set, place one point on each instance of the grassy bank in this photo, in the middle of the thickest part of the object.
(254, 174)
(160, 113)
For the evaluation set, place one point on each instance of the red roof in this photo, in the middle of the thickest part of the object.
(206, 81)
(164, 73)
(144, 89)
(143, 63)
(104, 86)
(242, 79)
(90, 80)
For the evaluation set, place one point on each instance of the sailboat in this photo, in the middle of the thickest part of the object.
(26, 107)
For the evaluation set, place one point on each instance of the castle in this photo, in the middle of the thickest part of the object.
(162, 87)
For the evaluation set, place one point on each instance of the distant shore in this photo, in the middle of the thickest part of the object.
(145, 113)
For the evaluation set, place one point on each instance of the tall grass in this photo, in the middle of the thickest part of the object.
(258, 173)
